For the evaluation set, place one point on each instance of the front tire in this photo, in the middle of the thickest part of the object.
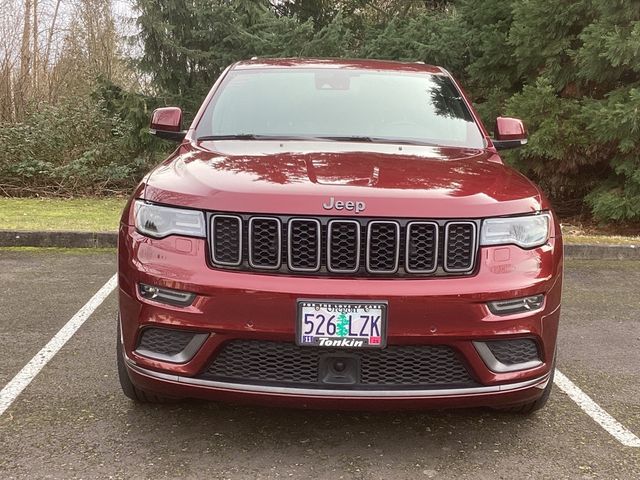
(531, 407)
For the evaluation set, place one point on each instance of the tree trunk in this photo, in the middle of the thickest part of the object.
(52, 29)
(25, 61)
(34, 69)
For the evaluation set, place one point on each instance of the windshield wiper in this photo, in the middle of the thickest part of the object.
(349, 138)
(365, 139)
(253, 136)
(331, 138)
(237, 136)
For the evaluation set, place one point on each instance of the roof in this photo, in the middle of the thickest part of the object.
(257, 63)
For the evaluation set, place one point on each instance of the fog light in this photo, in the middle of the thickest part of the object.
(166, 295)
(516, 305)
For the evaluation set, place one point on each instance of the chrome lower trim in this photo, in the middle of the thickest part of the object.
(497, 366)
(316, 392)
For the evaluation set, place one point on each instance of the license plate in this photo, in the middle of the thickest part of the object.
(348, 324)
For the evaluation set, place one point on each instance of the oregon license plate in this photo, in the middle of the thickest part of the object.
(344, 324)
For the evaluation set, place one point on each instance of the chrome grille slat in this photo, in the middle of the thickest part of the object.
(226, 243)
(422, 242)
(383, 246)
(341, 246)
(460, 240)
(304, 244)
(265, 243)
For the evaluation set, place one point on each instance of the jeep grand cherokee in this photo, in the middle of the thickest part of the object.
(338, 234)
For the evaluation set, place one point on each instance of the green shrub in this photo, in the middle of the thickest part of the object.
(91, 145)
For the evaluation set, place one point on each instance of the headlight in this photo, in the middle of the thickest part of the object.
(158, 222)
(527, 231)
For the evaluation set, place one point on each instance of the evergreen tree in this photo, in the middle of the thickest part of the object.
(581, 63)
(570, 70)
(187, 44)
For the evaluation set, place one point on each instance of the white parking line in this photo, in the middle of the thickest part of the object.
(595, 411)
(23, 378)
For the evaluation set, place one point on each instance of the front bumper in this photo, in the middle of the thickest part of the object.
(493, 396)
(434, 311)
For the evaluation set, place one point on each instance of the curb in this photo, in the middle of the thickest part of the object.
(9, 238)
(602, 252)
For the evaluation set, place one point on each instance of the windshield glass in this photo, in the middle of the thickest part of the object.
(340, 104)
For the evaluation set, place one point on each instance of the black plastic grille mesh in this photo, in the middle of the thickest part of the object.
(304, 245)
(343, 245)
(421, 247)
(265, 361)
(460, 246)
(258, 361)
(226, 239)
(383, 247)
(264, 239)
(164, 340)
(511, 352)
(414, 365)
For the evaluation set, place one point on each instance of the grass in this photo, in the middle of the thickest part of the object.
(75, 214)
(601, 239)
(103, 214)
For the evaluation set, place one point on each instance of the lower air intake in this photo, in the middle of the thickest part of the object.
(169, 345)
(284, 363)
(512, 352)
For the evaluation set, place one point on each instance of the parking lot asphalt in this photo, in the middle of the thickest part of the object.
(72, 421)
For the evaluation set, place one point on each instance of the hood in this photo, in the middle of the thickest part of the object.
(300, 177)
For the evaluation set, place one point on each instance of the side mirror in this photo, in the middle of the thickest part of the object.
(509, 133)
(166, 123)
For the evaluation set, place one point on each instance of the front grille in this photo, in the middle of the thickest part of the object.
(422, 247)
(458, 237)
(383, 247)
(268, 362)
(164, 341)
(264, 242)
(226, 234)
(343, 249)
(304, 245)
(343, 246)
(511, 352)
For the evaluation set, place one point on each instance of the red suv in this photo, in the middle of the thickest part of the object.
(338, 234)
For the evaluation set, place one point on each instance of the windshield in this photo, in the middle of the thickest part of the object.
(340, 104)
